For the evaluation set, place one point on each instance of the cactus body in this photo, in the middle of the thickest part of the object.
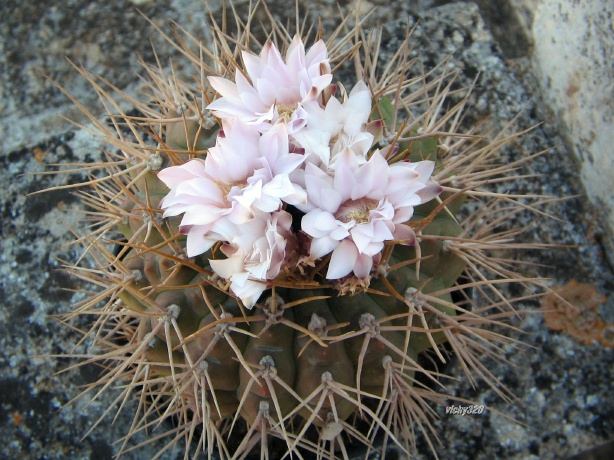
(303, 346)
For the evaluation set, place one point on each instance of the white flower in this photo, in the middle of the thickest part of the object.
(276, 89)
(245, 172)
(331, 129)
(353, 210)
(256, 253)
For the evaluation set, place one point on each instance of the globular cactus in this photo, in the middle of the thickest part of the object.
(277, 253)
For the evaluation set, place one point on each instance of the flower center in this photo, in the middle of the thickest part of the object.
(356, 210)
(286, 111)
(227, 188)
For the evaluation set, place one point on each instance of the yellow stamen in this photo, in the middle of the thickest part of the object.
(356, 210)
(286, 111)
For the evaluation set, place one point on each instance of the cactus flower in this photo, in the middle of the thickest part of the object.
(278, 88)
(359, 207)
(256, 252)
(243, 173)
(337, 125)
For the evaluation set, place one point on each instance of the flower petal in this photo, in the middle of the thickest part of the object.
(322, 246)
(405, 233)
(363, 266)
(197, 243)
(343, 260)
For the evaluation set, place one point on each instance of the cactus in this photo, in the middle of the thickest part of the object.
(245, 304)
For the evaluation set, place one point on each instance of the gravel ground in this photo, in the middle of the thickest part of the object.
(564, 387)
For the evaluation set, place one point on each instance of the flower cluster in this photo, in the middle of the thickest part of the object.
(290, 159)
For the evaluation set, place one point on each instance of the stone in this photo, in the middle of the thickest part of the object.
(572, 57)
(571, 47)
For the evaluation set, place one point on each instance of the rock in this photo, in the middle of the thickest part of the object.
(572, 57)
(570, 44)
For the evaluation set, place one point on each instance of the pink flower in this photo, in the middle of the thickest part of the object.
(202, 201)
(353, 210)
(353, 200)
(245, 172)
(256, 253)
(276, 89)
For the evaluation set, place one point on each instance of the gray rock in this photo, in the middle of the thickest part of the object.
(563, 387)
(570, 46)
